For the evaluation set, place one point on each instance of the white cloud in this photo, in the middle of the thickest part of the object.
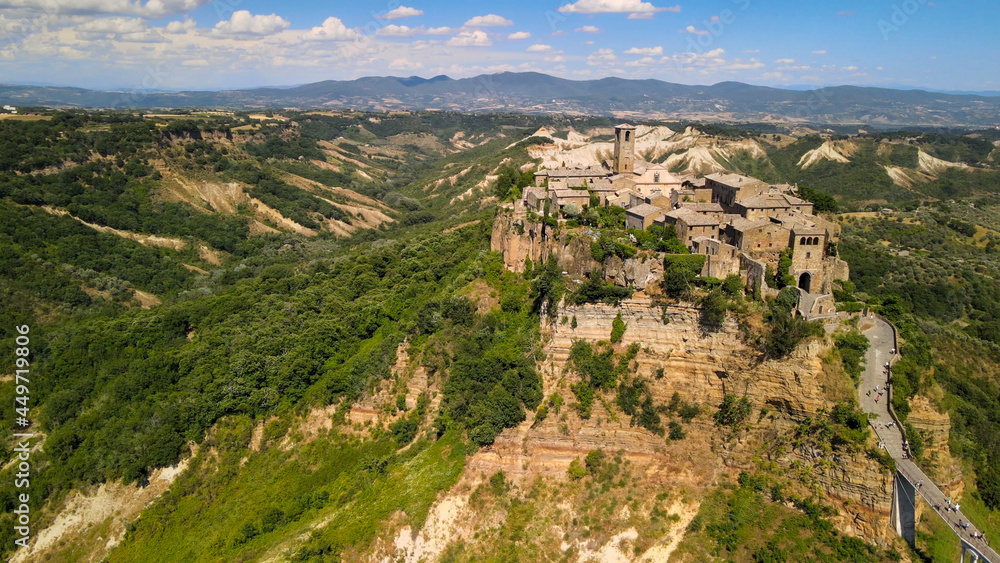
(397, 31)
(785, 61)
(559, 33)
(752, 51)
(132, 30)
(641, 62)
(819, 52)
(711, 62)
(635, 8)
(113, 25)
(403, 12)
(645, 51)
(470, 39)
(405, 64)
(181, 26)
(589, 29)
(601, 57)
(851, 68)
(519, 35)
(242, 22)
(695, 31)
(556, 59)
(444, 30)
(490, 20)
(195, 62)
(148, 9)
(332, 30)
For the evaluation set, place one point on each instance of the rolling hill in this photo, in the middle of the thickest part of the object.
(540, 93)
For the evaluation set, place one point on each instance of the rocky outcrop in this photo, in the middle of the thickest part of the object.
(519, 239)
(701, 366)
(638, 272)
(935, 428)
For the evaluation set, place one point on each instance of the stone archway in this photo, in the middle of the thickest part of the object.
(805, 282)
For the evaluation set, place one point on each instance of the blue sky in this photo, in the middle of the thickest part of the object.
(197, 44)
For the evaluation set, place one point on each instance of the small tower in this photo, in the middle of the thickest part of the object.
(624, 149)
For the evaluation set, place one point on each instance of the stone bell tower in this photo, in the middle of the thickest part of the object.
(624, 162)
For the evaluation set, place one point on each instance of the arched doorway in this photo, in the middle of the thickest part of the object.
(805, 282)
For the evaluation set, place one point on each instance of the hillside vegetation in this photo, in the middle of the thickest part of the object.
(302, 308)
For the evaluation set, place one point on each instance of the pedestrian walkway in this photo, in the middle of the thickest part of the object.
(890, 435)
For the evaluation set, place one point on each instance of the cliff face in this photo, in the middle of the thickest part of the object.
(702, 367)
(935, 429)
(520, 240)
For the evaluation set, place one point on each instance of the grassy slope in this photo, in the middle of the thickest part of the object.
(220, 498)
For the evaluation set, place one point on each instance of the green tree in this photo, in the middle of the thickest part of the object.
(617, 328)
(733, 412)
(713, 308)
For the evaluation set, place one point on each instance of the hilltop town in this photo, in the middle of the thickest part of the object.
(741, 225)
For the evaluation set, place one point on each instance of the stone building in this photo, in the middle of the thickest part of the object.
(534, 198)
(770, 204)
(692, 190)
(558, 199)
(642, 216)
(655, 178)
(691, 225)
(721, 259)
(565, 178)
(624, 156)
(655, 198)
(727, 188)
(760, 236)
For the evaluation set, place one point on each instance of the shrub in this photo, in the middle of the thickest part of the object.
(733, 412)
(733, 285)
(675, 282)
(713, 308)
(676, 431)
(852, 347)
(595, 461)
(617, 328)
(403, 431)
(498, 483)
(595, 290)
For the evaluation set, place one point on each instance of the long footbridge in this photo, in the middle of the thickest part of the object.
(910, 481)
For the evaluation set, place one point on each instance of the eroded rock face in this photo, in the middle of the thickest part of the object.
(935, 428)
(520, 240)
(639, 272)
(702, 366)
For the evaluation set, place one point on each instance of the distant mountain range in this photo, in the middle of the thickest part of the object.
(540, 93)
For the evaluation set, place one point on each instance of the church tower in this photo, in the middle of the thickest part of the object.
(624, 149)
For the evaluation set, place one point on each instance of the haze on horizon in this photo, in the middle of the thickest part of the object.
(229, 44)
